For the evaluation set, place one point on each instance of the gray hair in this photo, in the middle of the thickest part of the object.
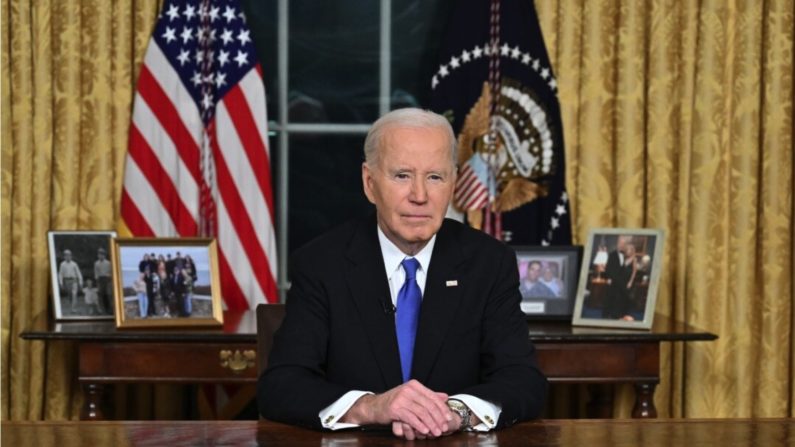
(408, 117)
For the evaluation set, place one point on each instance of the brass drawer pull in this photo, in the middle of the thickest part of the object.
(237, 361)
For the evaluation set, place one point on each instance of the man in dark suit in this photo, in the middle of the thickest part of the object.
(620, 272)
(404, 318)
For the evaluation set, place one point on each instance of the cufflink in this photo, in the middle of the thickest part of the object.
(489, 420)
(329, 419)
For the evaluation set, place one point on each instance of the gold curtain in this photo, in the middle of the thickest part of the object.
(68, 72)
(679, 115)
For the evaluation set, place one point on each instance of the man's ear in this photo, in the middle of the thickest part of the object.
(367, 182)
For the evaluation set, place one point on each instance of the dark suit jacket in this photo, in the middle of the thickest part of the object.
(337, 336)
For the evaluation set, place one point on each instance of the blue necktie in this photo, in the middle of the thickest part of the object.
(408, 311)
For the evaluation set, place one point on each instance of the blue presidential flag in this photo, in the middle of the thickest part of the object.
(496, 85)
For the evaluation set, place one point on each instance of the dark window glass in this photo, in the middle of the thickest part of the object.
(333, 61)
(325, 184)
(417, 28)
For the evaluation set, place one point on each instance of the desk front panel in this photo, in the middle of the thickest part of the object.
(168, 362)
(600, 362)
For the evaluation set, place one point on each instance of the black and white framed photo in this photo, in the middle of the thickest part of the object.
(619, 278)
(82, 274)
(167, 282)
(548, 280)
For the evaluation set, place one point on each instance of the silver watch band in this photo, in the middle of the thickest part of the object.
(463, 412)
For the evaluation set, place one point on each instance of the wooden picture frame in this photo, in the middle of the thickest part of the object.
(82, 274)
(548, 280)
(167, 282)
(619, 277)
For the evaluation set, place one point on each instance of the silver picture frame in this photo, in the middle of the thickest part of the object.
(619, 277)
(81, 271)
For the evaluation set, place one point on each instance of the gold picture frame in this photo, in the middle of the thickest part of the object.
(167, 282)
(619, 276)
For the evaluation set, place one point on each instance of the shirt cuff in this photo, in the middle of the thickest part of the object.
(334, 412)
(487, 412)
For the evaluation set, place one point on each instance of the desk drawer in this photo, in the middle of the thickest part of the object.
(168, 362)
(599, 362)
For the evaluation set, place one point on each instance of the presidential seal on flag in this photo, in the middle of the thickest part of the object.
(521, 157)
(496, 85)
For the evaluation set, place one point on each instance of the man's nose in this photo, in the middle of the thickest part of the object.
(419, 191)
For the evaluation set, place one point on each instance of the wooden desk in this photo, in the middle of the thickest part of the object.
(553, 433)
(566, 355)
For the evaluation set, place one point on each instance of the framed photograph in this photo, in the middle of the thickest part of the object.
(548, 280)
(163, 282)
(619, 277)
(82, 274)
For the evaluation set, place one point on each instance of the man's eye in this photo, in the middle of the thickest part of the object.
(435, 178)
(401, 176)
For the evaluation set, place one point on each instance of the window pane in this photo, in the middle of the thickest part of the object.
(417, 28)
(333, 61)
(262, 18)
(325, 184)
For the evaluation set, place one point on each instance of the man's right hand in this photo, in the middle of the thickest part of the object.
(410, 404)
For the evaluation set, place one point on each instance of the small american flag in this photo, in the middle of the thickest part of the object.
(471, 187)
(198, 160)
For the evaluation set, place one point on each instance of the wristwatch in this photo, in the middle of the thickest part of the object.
(462, 411)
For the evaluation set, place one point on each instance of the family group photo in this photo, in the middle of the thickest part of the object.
(162, 282)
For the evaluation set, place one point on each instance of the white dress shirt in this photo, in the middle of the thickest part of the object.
(393, 257)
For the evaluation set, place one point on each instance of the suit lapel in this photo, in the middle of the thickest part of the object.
(440, 301)
(367, 281)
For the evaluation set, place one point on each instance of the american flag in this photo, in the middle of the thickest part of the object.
(472, 185)
(198, 160)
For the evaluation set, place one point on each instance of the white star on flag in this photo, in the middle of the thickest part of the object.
(172, 13)
(187, 35)
(189, 12)
(220, 80)
(183, 57)
(196, 78)
(229, 14)
(477, 52)
(226, 36)
(241, 58)
(169, 34)
(207, 101)
(214, 13)
(243, 37)
(223, 58)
